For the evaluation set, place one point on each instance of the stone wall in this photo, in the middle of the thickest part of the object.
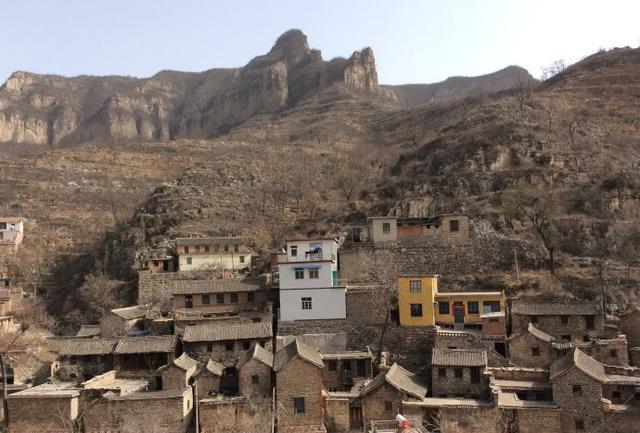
(173, 377)
(629, 325)
(470, 420)
(254, 369)
(444, 383)
(82, 367)
(610, 352)
(383, 403)
(217, 350)
(585, 405)
(337, 414)
(521, 348)
(51, 415)
(575, 327)
(530, 420)
(229, 414)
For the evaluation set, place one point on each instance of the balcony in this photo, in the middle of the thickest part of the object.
(391, 426)
(306, 257)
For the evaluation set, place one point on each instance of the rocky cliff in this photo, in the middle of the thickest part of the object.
(54, 110)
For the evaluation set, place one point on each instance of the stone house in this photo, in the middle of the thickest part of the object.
(629, 325)
(383, 395)
(225, 343)
(80, 359)
(142, 356)
(567, 320)
(11, 232)
(161, 263)
(120, 321)
(451, 339)
(219, 297)
(207, 379)
(254, 372)
(453, 228)
(179, 373)
(88, 331)
(342, 370)
(218, 253)
(459, 373)
(169, 411)
(299, 400)
(52, 408)
(589, 392)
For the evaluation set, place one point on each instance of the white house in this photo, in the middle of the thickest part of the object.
(309, 284)
(222, 253)
(11, 230)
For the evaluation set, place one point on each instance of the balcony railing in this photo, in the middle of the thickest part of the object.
(391, 426)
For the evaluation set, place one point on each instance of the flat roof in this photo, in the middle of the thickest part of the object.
(510, 399)
(522, 384)
(311, 239)
(382, 218)
(468, 294)
(49, 390)
(448, 402)
(418, 275)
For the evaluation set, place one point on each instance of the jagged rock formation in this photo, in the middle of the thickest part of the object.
(54, 110)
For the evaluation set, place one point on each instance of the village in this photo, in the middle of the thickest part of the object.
(326, 338)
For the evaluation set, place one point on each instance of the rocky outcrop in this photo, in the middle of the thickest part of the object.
(53, 110)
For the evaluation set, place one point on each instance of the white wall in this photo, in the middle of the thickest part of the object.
(326, 304)
(378, 235)
(329, 249)
(214, 261)
(288, 276)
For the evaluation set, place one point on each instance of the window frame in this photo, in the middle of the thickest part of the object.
(415, 286)
(314, 274)
(416, 310)
(298, 274)
(220, 298)
(444, 307)
(477, 307)
(458, 373)
(298, 405)
(386, 228)
(454, 226)
(306, 302)
(235, 298)
(206, 299)
(293, 250)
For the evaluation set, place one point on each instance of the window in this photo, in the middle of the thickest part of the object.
(236, 248)
(72, 360)
(186, 250)
(577, 390)
(294, 250)
(535, 351)
(457, 373)
(579, 424)
(226, 248)
(473, 307)
(246, 345)
(206, 248)
(298, 405)
(188, 301)
(386, 228)
(564, 320)
(255, 320)
(442, 372)
(415, 286)
(197, 248)
(313, 274)
(205, 300)
(416, 310)
(565, 337)
(443, 307)
(616, 395)
(388, 406)
(333, 365)
(241, 259)
(209, 348)
(255, 379)
(220, 298)
(534, 320)
(306, 303)
(251, 297)
(234, 298)
(590, 322)
(491, 306)
(299, 274)
(189, 260)
(454, 226)
(613, 353)
(228, 345)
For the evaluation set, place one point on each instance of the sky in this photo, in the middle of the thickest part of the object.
(413, 41)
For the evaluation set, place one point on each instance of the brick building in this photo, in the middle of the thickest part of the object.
(207, 379)
(566, 320)
(225, 343)
(120, 321)
(218, 297)
(254, 372)
(179, 373)
(299, 401)
(383, 395)
(459, 373)
(142, 356)
(218, 253)
(343, 370)
(80, 359)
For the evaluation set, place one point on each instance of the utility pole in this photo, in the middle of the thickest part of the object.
(515, 257)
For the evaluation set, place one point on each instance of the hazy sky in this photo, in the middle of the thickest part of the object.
(413, 41)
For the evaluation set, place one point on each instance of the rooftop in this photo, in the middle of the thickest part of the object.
(259, 353)
(215, 286)
(522, 385)
(594, 369)
(448, 402)
(153, 395)
(185, 362)
(211, 241)
(49, 390)
(10, 220)
(459, 357)
(555, 308)
(361, 354)
(243, 331)
(88, 331)
(401, 379)
(511, 400)
(296, 349)
(468, 294)
(146, 344)
(133, 312)
(84, 346)
(108, 381)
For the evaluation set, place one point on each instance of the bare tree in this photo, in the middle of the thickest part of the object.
(555, 68)
(350, 175)
(101, 293)
(523, 87)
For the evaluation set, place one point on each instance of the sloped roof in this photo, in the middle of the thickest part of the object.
(243, 331)
(296, 349)
(539, 333)
(401, 379)
(211, 241)
(85, 346)
(259, 353)
(459, 357)
(215, 286)
(185, 362)
(582, 362)
(130, 313)
(146, 344)
(88, 331)
(214, 367)
(555, 308)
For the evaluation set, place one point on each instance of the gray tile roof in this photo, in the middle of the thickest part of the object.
(146, 344)
(211, 241)
(214, 367)
(187, 287)
(88, 331)
(297, 349)
(130, 313)
(459, 357)
(243, 331)
(259, 353)
(555, 308)
(582, 362)
(185, 362)
(84, 346)
(401, 379)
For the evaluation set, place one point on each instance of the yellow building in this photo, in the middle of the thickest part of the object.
(421, 304)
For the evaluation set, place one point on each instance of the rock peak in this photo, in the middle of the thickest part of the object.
(292, 45)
